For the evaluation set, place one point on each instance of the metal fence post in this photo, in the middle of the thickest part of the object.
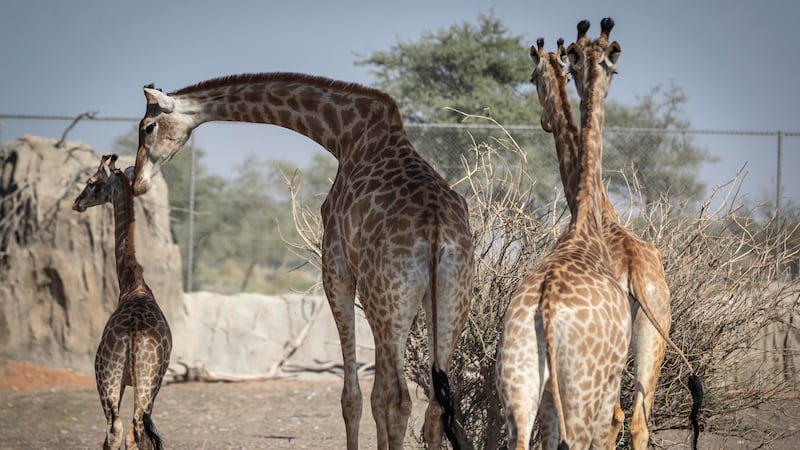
(778, 177)
(190, 222)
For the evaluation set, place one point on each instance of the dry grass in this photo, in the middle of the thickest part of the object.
(727, 269)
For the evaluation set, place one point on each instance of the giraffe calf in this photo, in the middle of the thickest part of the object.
(136, 343)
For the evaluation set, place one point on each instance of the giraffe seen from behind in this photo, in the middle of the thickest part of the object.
(638, 267)
(395, 233)
(636, 263)
(136, 343)
(566, 330)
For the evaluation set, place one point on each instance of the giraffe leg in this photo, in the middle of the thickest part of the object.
(521, 378)
(390, 399)
(452, 309)
(109, 369)
(148, 365)
(648, 347)
(340, 291)
(617, 421)
(110, 397)
(548, 422)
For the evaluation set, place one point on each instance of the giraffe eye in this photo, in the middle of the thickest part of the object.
(149, 128)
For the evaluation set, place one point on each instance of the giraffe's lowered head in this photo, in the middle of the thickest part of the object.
(549, 69)
(101, 186)
(162, 132)
(602, 53)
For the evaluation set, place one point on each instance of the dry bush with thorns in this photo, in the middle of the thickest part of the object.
(727, 272)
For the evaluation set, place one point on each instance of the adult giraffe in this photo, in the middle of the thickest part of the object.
(567, 327)
(394, 231)
(636, 263)
(136, 343)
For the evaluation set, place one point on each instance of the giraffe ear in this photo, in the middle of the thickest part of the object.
(156, 97)
(535, 55)
(574, 54)
(613, 51)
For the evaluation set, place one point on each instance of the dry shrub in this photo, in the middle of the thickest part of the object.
(726, 268)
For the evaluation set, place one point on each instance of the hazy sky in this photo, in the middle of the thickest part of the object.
(735, 60)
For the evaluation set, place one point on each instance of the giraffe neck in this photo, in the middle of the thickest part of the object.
(589, 196)
(565, 133)
(129, 271)
(334, 114)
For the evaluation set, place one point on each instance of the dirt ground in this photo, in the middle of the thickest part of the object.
(59, 409)
(44, 408)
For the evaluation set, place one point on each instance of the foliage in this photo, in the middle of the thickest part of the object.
(483, 68)
(475, 68)
(664, 162)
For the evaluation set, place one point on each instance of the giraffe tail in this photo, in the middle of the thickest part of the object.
(696, 388)
(546, 305)
(694, 382)
(441, 384)
(150, 430)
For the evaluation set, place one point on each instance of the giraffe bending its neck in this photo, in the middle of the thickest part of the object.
(136, 343)
(567, 327)
(394, 231)
(636, 263)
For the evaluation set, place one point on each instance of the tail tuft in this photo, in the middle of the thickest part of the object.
(150, 430)
(441, 387)
(563, 446)
(696, 388)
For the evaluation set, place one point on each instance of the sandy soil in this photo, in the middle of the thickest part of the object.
(43, 408)
(47, 409)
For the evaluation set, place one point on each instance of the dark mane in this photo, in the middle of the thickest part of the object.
(287, 77)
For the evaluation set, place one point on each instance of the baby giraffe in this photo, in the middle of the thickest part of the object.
(136, 343)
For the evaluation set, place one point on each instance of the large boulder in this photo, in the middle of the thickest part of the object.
(58, 284)
(256, 335)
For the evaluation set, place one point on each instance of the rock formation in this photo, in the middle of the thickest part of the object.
(57, 280)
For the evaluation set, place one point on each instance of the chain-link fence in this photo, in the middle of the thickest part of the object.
(218, 237)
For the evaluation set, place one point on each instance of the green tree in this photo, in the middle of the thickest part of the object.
(482, 68)
(664, 162)
(476, 68)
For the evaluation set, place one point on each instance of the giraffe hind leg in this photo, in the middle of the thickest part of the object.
(113, 424)
(648, 353)
(148, 365)
(340, 291)
(109, 375)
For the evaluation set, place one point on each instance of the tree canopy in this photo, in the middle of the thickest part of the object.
(482, 68)
(477, 68)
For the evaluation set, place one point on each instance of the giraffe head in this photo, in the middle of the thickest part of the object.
(582, 54)
(100, 188)
(549, 70)
(162, 132)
